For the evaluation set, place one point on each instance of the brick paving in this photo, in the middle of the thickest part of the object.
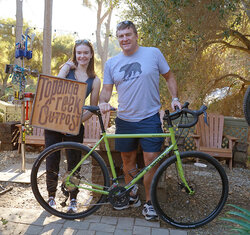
(25, 221)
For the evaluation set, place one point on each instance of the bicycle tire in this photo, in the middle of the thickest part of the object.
(246, 105)
(175, 205)
(92, 170)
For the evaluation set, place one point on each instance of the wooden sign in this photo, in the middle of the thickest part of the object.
(58, 104)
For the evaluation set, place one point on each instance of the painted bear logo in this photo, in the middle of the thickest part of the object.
(131, 70)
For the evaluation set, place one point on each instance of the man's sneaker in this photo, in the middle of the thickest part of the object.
(52, 202)
(72, 206)
(134, 201)
(149, 211)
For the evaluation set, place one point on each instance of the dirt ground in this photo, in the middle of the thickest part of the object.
(21, 196)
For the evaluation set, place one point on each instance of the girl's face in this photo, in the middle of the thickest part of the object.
(83, 55)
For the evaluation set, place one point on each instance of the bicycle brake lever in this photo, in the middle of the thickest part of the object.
(185, 105)
(205, 117)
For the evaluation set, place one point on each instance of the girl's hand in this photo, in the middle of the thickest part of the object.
(70, 64)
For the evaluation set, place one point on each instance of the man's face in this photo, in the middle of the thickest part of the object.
(127, 40)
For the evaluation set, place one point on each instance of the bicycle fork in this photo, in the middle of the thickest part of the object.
(179, 163)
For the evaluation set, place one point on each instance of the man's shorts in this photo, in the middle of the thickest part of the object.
(148, 125)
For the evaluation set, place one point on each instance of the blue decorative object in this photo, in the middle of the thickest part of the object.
(22, 48)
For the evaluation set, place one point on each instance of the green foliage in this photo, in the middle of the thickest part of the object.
(61, 51)
(4, 221)
(114, 47)
(203, 42)
(240, 218)
(1, 115)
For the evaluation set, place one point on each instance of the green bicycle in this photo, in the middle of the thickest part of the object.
(189, 189)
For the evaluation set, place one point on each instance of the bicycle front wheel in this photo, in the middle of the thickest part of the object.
(50, 171)
(246, 105)
(172, 200)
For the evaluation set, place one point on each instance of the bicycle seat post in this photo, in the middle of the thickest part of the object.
(98, 113)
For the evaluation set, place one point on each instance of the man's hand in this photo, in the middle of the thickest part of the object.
(104, 107)
(175, 103)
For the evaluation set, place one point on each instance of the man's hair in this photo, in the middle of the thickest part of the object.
(126, 24)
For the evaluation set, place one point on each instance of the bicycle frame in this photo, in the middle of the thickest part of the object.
(105, 137)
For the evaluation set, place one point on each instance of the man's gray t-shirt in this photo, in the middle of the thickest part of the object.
(136, 78)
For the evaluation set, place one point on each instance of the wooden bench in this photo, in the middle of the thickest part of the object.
(92, 129)
(92, 132)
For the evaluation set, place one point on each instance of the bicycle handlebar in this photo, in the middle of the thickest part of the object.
(195, 114)
(184, 110)
(92, 108)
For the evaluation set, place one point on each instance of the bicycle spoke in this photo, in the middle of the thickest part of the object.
(91, 175)
(176, 205)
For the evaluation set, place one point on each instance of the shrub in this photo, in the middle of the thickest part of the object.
(240, 218)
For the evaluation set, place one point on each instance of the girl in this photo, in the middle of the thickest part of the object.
(80, 68)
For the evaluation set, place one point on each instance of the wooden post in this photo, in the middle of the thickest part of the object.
(19, 25)
(23, 135)
(47, 32)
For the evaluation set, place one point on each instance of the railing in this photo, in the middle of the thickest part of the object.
(10, 112)
(236, 127)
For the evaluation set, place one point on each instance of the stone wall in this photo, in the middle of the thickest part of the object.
(8, 136)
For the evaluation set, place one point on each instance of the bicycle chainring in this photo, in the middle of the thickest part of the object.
(116, 199)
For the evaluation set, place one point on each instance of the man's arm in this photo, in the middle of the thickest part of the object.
(172, 87)
(105, 97)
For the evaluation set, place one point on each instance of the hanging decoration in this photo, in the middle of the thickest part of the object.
(19, 79)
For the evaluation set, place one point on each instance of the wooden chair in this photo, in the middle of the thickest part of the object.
(92, 129)
(208, 138)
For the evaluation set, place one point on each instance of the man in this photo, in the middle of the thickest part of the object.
(135, 72)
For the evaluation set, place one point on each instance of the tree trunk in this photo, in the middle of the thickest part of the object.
(98, 31)
(102, 50)
(106, 40)
(4, 85)
(47, 34)
(19, 26)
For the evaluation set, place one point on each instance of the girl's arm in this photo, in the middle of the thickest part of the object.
(94, 98)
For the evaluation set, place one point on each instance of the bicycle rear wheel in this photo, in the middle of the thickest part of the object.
(246, 105)
(92, 171)
(171, 199)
